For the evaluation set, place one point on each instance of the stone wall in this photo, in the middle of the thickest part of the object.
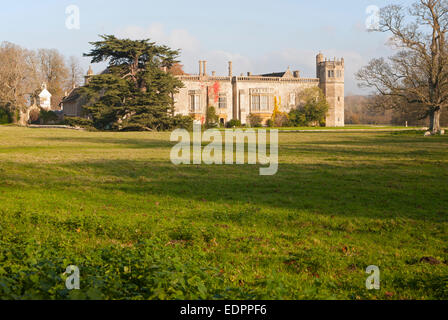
(281, 87)
(331, 76)
(238, 95)
(206, 88)
(284, 90)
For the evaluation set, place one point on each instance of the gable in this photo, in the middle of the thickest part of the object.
(288, 74)
(45, 94)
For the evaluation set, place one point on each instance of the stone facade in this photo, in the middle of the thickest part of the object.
(331, 81)
(72, 103)
(236, 97)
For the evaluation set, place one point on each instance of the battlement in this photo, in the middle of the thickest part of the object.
(203, 78)
(246, 78)
(277, 79)
(322, 61)
(334, 63)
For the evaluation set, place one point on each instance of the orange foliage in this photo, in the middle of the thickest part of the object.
(177, 70)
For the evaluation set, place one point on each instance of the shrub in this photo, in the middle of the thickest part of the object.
(312, 110)
(255, 120)
(34, 116)
(211, 119)
(234, 123)
(47, 117)
(79, 122)
(281, 120)
(5, 116)
(182, 122)
(297, 118)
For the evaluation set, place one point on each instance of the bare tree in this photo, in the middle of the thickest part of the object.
(417, 76)
(75, 72)
(16, 76)
(54, 73)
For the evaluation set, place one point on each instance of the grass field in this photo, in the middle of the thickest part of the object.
(139, 227)
(350, 127)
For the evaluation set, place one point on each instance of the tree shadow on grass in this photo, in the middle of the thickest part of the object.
(133, 143)
(315, 175)
(372, 191)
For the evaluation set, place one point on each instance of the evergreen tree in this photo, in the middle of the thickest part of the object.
(135, 93)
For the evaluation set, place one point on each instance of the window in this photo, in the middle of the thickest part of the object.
(260, 103)
(256, 103)
(195, 101)
(261, 99)
(330, 73)
(264, 103)
(339, 73)
(292, 99)
(222, 102)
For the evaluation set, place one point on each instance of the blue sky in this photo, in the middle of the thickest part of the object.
(258, 36)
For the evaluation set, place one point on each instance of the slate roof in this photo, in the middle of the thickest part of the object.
(72, 96)
(284, 74)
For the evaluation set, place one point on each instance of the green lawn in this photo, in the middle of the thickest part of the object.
(139, 227)
(347, 128)
(353, 127)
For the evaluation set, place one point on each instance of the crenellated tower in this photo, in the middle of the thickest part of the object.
(331, 76)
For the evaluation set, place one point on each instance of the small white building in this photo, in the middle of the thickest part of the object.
(45, 98)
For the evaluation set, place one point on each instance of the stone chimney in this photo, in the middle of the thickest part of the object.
(230, 69)
(319, 59)
(205, 67)
(200, 69)
(213, 73)
(296, 74)
(249, 74)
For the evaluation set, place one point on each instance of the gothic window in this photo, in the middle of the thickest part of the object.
(261, 99)
(292, 99)
(330, 73)
(222, 102)
(264, 103)
(195, 101)
(256, 103)
(339, 73)
(260, 103)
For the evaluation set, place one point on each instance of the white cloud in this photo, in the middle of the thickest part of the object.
(178, 38)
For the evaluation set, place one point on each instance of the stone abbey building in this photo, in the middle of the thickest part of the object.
(236, 97)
